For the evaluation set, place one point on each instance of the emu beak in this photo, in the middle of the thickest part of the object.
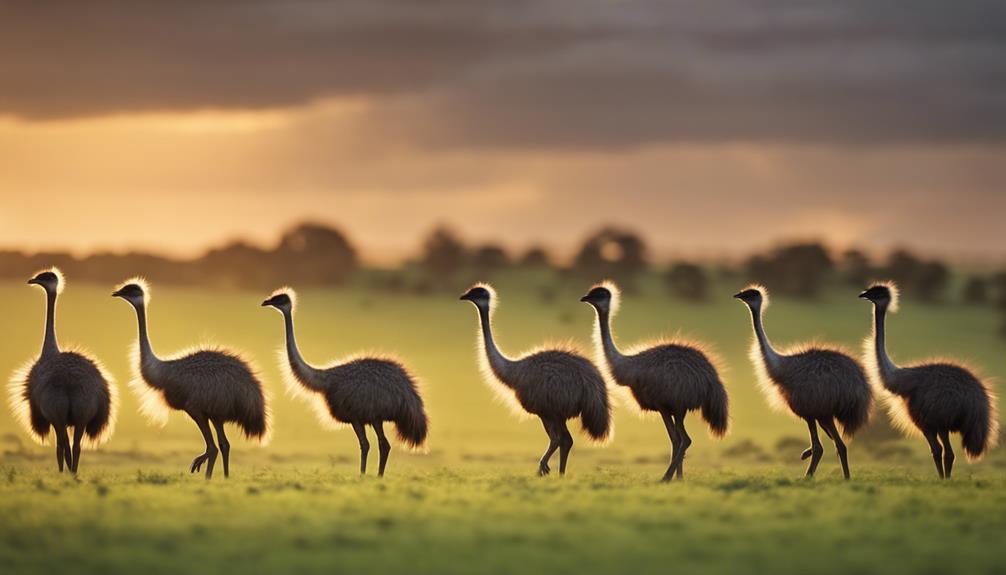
(33, 281)
(584, 299)
(738, 295)
(117, 293)
(863, 295)
(265, 303)
(465, 297)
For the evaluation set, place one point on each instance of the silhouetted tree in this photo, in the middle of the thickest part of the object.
(688, 281)
(793, 269)
(976, 291)
(855, 267)
(489, 258)
(443, 255)
(925, 280)
(612, 253)
(315, 254)
(535, 257)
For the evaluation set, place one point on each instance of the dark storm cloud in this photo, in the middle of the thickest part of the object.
(566, 73)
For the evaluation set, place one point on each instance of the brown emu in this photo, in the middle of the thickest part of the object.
(212, 386)
(554, 384)
(669, 377)
(359, 391)
(818, 384)
(937, 398)
(63, 389)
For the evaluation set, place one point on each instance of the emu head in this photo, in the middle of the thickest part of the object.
(883, 295)
(282, 300)
(51, 280)
(133, 291)
(603, 297)
(754, 296)
(481, 295)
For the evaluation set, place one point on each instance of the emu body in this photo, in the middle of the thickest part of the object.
(366, 391)
(555, 385)
(817, 384)
(669, 378)
(937, 398)
(64, 391)
(213, 387)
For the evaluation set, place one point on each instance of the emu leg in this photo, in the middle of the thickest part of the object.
(225, 447)
(553, 444)
(209, 457)
(683, 442)
(672, 433)
(934, 447)
(78, 434)
(828, 425)
(565, 445)
(383, 447)
(361, 434)
(816, 449)
(948, 453)
(62, 447)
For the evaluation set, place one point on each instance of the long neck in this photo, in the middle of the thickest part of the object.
(499, 363)
(147, 356)
(607, 342)
(768, 353)
(884, 363)
(49, 345)
(304, 373)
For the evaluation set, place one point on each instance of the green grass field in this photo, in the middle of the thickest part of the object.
(471, 503)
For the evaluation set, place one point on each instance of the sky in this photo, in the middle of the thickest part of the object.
(712, 128)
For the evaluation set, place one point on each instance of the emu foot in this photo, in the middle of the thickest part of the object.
(197, 463)
(806, 453)
(543, 469)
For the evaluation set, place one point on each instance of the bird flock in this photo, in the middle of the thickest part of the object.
(68, 393)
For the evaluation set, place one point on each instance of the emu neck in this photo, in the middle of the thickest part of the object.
(304, 373)
(769, 354)
(147, 356)
(884, 363)
(611, 352)
(498, 362)
(49, 344)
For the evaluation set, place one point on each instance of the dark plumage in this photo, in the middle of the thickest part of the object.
(362, 391)
(670, 378)
(818, 384)
(212, 386)
(937, 398)
(63, 389)
(554, 384)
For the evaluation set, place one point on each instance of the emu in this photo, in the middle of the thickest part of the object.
(819, 385)
(63, 389)
(937, 398)
(359, 391)
(669, 377)
(554, 384)
(213, 386)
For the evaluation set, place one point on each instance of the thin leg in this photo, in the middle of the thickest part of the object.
(225, 447)
(816, 449)
(383, 447)
(948, 453)
(209, 457)
(62, 447)
(553, 444)
(78, 434)
(565, 445)
(683, 442)
(672, 433)
(828, 425)
(361, 434)
(934, 446)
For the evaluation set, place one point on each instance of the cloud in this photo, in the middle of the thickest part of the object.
(559, 74)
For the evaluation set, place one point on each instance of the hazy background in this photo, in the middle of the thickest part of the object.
(714, 129)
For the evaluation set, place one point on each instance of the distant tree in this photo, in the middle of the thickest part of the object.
(315, 254)
(998, 282)
(927, 280)
(688, 281)
(535, 257)
(489, 258)
(443, 255)
(976, 291)
(855, 267)
(794, 269)
(239, 264)
(612, 253)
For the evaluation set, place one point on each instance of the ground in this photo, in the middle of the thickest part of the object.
(470, 503)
